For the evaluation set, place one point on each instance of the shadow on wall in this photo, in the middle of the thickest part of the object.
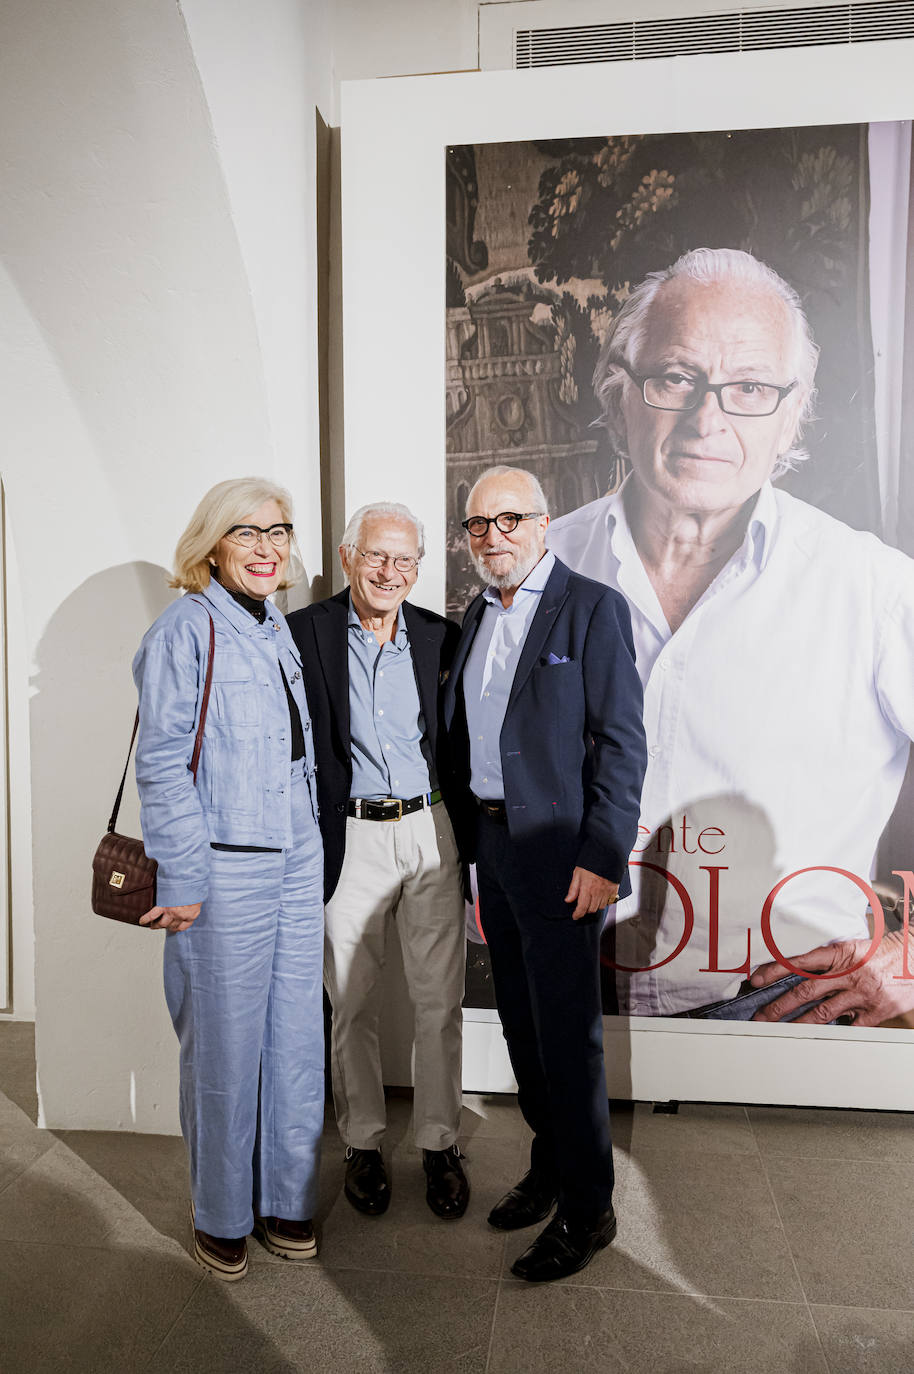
(106, 1057)
(304, 593)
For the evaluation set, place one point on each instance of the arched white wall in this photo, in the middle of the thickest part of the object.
(157, 272)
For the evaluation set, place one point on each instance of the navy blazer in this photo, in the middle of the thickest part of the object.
(321, 633)
(573, 751)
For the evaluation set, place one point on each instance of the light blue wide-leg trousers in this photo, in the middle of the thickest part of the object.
(244, 989)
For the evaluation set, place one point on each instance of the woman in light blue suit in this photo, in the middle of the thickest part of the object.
(239, 876)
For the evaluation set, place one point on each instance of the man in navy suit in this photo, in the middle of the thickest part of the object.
(543, 713)
(373, 666)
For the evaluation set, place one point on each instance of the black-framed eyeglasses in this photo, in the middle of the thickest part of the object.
(376, 558)
(249, 535)
(678, 391)
(507, 521)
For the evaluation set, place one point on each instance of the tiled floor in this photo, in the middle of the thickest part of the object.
(751, 1241)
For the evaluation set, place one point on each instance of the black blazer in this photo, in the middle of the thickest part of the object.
(322, 637)
(573, 751)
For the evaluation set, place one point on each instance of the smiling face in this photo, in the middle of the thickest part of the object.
(703, 460)
(504, 560)
(258, 571)
(378, 592)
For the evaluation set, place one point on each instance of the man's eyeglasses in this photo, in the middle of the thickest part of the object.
(507, 522)
(677, 391)
(376, 559)
(249, 535)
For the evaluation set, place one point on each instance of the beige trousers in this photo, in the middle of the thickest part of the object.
(404, 874)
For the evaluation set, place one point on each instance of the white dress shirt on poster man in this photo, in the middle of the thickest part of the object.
(776, 649)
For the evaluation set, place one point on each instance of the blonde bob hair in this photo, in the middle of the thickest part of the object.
(224, 505)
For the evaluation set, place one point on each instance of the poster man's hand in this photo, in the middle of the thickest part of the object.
(871, 994)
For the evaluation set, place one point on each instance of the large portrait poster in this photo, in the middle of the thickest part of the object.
(777, 826)
(495, 227)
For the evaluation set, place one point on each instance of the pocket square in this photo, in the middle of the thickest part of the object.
(556, 658)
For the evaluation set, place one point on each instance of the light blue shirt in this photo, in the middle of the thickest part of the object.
(489, 675)
(386, 724)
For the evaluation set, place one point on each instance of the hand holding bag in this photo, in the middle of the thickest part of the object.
(123, 875)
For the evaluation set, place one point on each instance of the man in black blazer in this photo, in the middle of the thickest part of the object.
(543, 712)
(373, 667)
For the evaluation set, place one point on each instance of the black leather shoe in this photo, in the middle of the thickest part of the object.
(447, 1189)
(527, 1203)
(564, 1249)
(366, 1184)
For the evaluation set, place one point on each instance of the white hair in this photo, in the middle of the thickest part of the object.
(352, 534)
(707, 266)
(502, 470)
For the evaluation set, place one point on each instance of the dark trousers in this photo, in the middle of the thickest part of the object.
(545, 969)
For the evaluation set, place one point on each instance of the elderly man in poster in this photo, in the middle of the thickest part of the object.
(776, 649)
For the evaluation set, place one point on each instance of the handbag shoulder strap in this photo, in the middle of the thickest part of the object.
(198, 742)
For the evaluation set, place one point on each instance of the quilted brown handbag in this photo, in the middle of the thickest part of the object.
(123, 875)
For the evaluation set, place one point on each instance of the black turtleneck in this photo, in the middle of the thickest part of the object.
(253, 606)
(258, 609)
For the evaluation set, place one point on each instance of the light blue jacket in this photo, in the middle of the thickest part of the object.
(242, 794)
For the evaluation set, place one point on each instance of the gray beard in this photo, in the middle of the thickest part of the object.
(517, 574)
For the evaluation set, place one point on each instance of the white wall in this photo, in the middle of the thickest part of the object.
(265, 69)
(157, 275)
(20, 984)
(158, 270)
(403, 37)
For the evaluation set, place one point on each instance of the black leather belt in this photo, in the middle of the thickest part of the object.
(389, 808)
(495, 810)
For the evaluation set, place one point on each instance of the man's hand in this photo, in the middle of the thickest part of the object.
(171, 918)
(870, 994)
(590, 892)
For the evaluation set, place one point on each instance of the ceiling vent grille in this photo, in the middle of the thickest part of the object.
(741, 31)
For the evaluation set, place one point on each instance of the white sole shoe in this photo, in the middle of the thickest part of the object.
(284, 1246)
(228, 1272)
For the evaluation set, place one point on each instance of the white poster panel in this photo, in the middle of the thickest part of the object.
(397, 137)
